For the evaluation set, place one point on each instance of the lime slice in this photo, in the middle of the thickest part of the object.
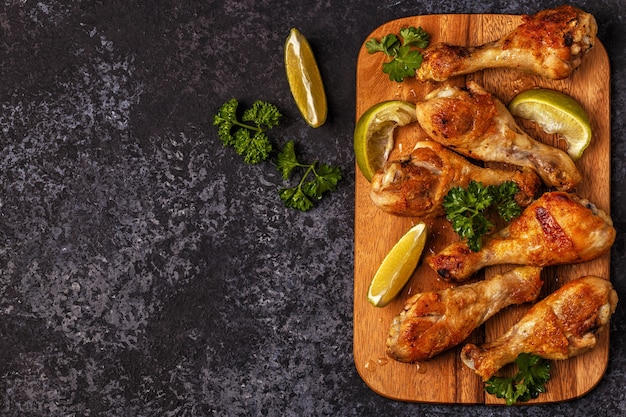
(555, 112)
(373, 133)
(398, 266)
(305, 80)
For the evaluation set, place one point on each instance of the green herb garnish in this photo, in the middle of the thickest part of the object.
(249, 139)
(248, 136)
(404, 59)
(302, 196)
(466, 209)
(526, 384)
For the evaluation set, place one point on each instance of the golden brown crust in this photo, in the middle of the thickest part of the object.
(417, 184)
(433, 322)
(558, 228)
(550, 43)
(474, 123)
(562, 325)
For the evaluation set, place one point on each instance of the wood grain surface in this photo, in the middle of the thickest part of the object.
(445, 379)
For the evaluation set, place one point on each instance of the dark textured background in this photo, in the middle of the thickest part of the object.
(144, 270)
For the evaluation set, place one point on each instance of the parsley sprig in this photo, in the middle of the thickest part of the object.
(404, 58)
(526, 384)
(247, 135)
(302, 196)
(466, 209)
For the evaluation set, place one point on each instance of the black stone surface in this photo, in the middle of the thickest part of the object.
(144, 270)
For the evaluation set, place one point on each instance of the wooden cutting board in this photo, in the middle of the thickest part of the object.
(445, 379)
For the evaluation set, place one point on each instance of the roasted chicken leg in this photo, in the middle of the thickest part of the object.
(417, 184)
(550, 43)
(432, 322)
(476, 124)
(558, 228)
(562, 325)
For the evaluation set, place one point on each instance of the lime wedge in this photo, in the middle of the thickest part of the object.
(373, 133)
(398, 266)
(305, 80)
(555, 112)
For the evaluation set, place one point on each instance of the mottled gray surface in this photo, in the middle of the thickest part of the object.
(144, 270)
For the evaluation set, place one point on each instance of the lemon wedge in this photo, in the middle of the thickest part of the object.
(305, 80)
(398, 266)
(555, 112)
(373, 133)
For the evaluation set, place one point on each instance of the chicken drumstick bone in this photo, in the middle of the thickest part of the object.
(560, 326)
(432, 322)
(416, 185)
(556, 229)
(474, 123)
(550, 43)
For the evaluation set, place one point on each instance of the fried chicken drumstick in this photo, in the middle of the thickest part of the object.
(550, 43)
(558, 228)
(416, 185)
(432, 322)
(560, 326)
(474, 123)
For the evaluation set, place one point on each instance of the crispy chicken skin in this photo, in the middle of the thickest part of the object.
(432, 322)
(558, 228)
(416, 184)
(550, 43)
(474, 123)
(560, 326)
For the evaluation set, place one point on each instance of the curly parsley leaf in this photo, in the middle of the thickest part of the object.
(533, 373)
(504, 199)
(303, 195)
(404, 59)
(263, 114)
(248, 136)
(466, 209)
